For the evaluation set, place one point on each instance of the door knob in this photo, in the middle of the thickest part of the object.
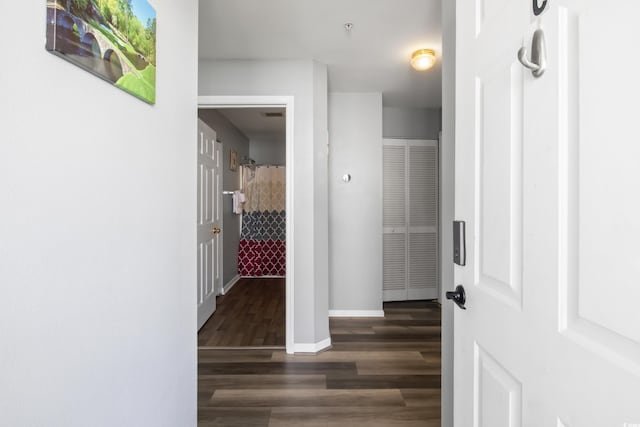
(216, 230)
(458, 296)
(538, 62)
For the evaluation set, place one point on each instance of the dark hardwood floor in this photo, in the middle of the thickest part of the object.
(250, 315)
(380, 372)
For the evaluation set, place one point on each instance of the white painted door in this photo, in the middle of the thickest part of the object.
(209, 275)
(546, 180)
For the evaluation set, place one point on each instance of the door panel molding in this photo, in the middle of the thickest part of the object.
(581, 310)
(498, 222)
(498, 393)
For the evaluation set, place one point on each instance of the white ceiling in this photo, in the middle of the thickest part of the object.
(255, 124)
(373, 56)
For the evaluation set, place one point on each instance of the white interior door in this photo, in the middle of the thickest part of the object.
(209, 275)
(546, 180)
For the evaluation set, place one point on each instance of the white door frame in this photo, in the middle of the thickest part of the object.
(286, 102)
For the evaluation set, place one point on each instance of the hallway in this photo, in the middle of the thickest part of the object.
(380, 372)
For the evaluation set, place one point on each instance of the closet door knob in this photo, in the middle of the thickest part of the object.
(216, 230)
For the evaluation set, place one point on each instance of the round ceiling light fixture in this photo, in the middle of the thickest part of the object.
(423, 59)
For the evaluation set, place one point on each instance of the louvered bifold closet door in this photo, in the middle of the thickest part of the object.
(422, 234)
(410, 238)
(395, 221)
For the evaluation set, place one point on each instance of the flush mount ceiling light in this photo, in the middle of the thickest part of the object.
(423, 59)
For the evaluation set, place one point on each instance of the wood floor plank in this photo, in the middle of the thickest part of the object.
(426, 305)
(384, 337)
(204, 396)
(380, 372)
(355, 416)
(385, 367)
(383, 381)
(422, 397)
(237, 356)
(367, 322)
(242, 382)
(405, 329)
(307, 398)
(277, 368)
(432, 357)
(385, 346)
(350, 356)
(347, 331)
(233, 417)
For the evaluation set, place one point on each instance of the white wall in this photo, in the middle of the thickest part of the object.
(447, 157)
(231, 138)
(97, 232)
(411, 123)
(355, 208)
(268, 150)
(295, 78)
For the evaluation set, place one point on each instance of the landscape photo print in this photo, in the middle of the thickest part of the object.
(113, 39)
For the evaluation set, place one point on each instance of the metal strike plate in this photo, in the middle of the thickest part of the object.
(459, 244)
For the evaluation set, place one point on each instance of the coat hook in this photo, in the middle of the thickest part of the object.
(538, 62)
(539, 8)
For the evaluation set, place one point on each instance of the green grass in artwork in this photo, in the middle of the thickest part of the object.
(149, 75)
(142, 85)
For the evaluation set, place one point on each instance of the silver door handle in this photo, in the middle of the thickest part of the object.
(538, 62)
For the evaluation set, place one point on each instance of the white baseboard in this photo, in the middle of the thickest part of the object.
(226, 288)
(312, 348)
(356, 313)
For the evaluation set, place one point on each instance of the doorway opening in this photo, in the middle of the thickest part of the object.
(255, 298)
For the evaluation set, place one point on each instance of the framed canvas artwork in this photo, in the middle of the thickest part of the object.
(113, 39)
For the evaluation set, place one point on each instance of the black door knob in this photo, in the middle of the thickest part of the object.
(458, 296)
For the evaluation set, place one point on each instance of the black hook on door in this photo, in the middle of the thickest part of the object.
(538, 9)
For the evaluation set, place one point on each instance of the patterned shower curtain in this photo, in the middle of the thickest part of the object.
(262, 239)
